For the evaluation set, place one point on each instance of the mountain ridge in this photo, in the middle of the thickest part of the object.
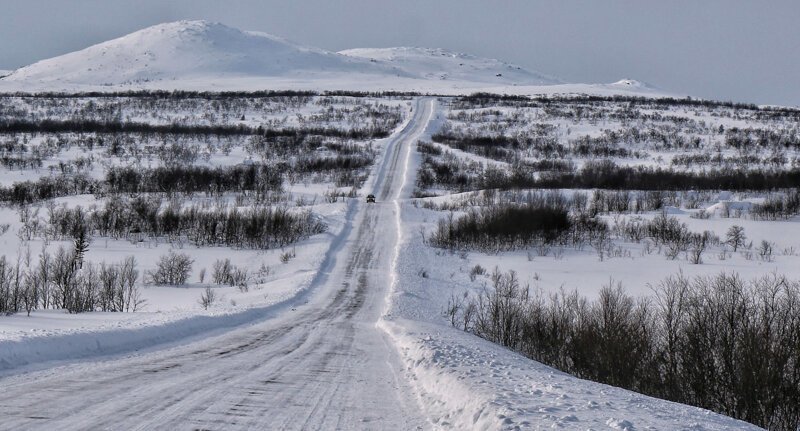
(188, 48)
(208, 56)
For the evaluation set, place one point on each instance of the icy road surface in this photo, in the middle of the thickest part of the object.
(322, 365)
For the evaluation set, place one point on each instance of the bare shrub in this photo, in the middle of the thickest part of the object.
(476, 271)
(208, 297)
(172, 269)
(718, 342)
(765, 250)
(288, 255)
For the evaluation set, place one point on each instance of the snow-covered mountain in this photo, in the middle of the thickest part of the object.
(201, 55)
(441, 64)
(190, 49)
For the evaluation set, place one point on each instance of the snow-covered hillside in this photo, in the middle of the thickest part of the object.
(187, 49)
(441, 64)
(206, 56)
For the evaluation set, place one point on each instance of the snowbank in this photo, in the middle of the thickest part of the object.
(465, 382)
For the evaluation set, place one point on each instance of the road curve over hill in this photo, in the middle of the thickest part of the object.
(323, 365)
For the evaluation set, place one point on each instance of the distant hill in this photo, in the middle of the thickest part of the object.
(441, 64)
(190, 49)
(209, 56)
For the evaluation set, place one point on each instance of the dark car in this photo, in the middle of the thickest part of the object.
(371, 199)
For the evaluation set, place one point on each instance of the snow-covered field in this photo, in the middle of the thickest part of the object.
(463, 382)
(347, 327)
(172, 313)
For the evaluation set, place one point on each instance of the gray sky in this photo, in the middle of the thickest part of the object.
(723, 49)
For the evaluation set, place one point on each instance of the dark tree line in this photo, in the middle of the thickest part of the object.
(501, 227)
(716, 342)
(505, 148)
(195, 179)
(61, 280)
(778, 207)
(10, 126)
(25, 192)
(538, 220)
(483, 100)
(338, 162)
(458, 175)
(257, 227)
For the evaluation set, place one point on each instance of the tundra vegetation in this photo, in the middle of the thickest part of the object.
(626, 178)
(237, 170)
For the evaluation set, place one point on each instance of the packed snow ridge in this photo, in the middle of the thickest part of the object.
(202, 55)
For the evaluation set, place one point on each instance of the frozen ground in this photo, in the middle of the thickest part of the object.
(351, 333)
(465, 382)
(320, 360)
(636, 268)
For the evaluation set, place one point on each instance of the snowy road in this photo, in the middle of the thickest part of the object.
(323, 365)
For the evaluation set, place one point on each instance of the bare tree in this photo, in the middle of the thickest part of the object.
(698, 242)
(128, 275)
(735, 237)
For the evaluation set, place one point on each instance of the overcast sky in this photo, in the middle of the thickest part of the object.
(723, 49)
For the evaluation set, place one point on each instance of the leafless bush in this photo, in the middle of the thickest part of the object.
(699, 243)
(476, 271)
(208, 297)
(288, 255)
(229, 274)
(172, 269)
(718, 342)
(765, 250)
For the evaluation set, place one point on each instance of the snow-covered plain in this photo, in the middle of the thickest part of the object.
(463, 382)
(336, 356)
(170, 313)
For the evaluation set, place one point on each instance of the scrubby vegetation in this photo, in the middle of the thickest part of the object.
(718, 342)
(257, 226)
(207, 169)
(619, 143)
(627, 178)
(451, 173)
(502, 227)
(172, 269)
(495, 222)
(61, 280)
